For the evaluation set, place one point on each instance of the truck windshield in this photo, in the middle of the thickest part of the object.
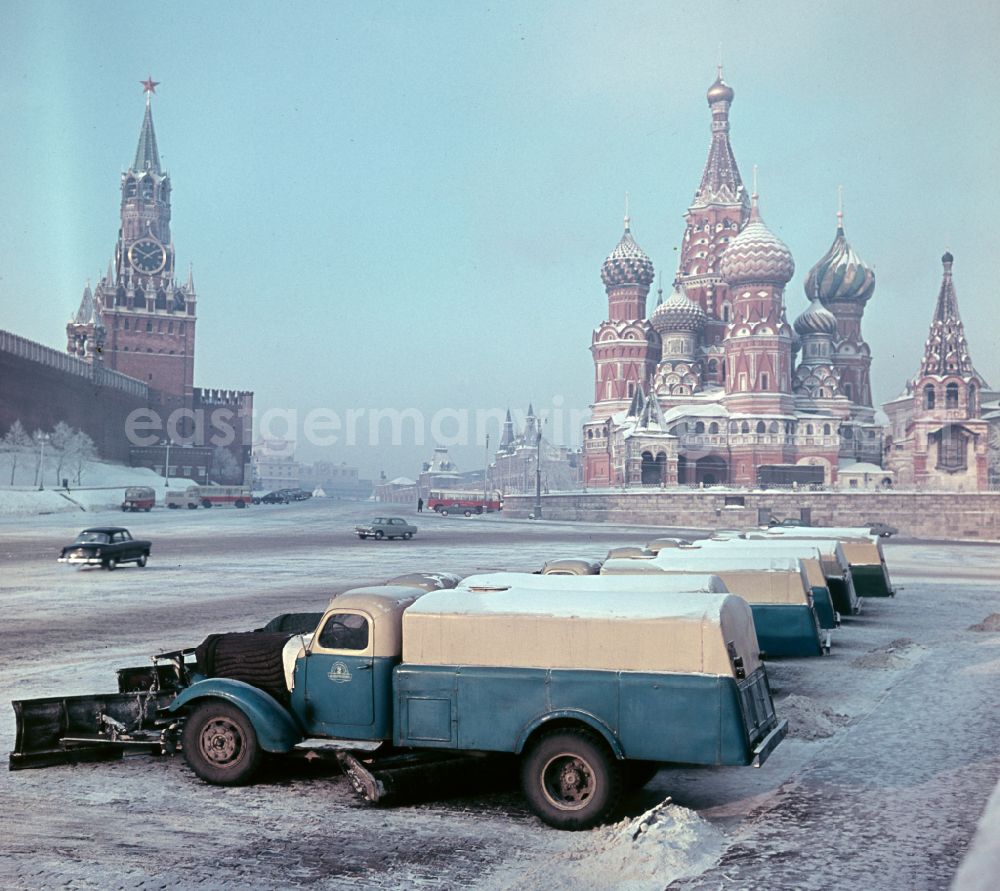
(344, 631)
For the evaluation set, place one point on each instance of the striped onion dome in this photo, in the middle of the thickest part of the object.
(678, 313)
(627, 264)
(840, 275)
(757, 255)
(816, 319)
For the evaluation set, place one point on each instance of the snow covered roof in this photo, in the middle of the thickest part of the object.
(402, 481)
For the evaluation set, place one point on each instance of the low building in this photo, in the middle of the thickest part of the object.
(526, 460)
(274, 465)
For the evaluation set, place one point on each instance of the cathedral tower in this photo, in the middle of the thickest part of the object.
(149, 318)
(939, 438)
(719, 211)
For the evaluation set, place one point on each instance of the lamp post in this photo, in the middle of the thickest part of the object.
(44, 438)
(166, 465)
(538, 473)
(486, 470)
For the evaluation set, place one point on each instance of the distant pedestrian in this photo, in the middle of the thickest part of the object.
(420, 505)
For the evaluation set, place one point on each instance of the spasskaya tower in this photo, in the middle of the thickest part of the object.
(140, 320)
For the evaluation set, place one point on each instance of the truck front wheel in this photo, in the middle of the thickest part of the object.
(570, 779)
(220, 744)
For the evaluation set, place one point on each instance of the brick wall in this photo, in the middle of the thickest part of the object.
(936, 515)
(40, 387)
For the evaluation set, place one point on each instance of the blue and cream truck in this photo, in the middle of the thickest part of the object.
(592, 690)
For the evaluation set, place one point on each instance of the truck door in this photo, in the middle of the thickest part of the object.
(339, 680)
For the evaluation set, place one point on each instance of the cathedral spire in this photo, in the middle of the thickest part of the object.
(720, 181)
(147, 157)
(946, 351)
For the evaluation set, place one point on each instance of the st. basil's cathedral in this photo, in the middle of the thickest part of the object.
(715, 386)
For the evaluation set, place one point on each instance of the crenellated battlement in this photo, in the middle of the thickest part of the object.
(229, 398)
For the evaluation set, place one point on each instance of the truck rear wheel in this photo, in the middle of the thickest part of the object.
(570, 779)
(220, 744)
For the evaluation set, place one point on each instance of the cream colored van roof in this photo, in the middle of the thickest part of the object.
(592, 630)
(860, 547)
(837, 532)
(805, 550)
(824, 547)
(757, 579)
(612, 584)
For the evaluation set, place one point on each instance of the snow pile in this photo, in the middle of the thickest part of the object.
(807, 719)
(646, 853)
(898, 653)
(990, 623)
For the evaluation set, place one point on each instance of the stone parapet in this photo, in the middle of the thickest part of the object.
(929, 515)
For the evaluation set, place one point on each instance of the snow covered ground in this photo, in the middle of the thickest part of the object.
(889, 764)
(102, 488)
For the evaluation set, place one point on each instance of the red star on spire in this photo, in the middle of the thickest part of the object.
(149, 85)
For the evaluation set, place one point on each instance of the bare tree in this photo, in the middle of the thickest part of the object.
(61, 441)
(225, 468)
(16, 443)
(37, 439)
(81, 452)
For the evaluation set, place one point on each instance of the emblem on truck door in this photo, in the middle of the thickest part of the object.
(339, 673)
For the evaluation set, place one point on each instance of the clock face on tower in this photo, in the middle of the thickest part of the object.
(147, 255)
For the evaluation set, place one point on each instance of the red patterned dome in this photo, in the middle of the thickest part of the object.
(757, 255)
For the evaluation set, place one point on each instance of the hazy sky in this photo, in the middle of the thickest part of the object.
(405, 205)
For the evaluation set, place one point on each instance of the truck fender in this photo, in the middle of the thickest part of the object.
(276, 728)
(564, 716)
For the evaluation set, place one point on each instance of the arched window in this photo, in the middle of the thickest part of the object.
(130, 188)
(929, 396)
(699, 427)
(761, 427)
(713, 366)
(849, 391)
(725, 312)
(630, 387)
(733, 427)
(809, 429)
(161, 299)
(146, 189)
(590, 434)
(713, 427)
(972, 399)
(772, 427)
(951, 396)
(120, 297)
(139, 299)
(745, 427)
(764, 381)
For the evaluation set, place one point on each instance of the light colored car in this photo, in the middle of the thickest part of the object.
(386, 527)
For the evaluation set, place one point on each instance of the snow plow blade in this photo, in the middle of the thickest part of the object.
(71, 729)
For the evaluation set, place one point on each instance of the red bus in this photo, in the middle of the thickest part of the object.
(228, 496)
(455, 501)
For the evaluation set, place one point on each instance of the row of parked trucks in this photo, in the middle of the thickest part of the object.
(594, 674)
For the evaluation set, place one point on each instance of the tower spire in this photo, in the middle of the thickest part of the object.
(720, 180)
(946, 351)
(147, 157)
(840, 210)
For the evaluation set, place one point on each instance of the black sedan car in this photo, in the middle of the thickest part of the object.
(105, 546)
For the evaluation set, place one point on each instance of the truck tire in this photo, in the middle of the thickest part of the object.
(142, 559)
(378, 534)
(205, 502)
(407, 536)
(111, 564)
(192, 506)
(571, 779)
(443, 511)
(240, 502)
(220, 744)
(468, 512)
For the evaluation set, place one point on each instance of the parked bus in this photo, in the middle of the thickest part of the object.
(210, 496)
(455, 501)
(228, 496)
(139, 498)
